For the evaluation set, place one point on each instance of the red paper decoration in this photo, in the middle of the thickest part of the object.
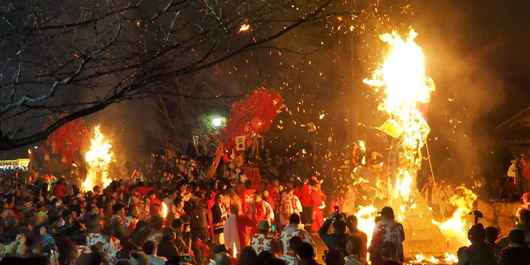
(68, 139)
(259, 110)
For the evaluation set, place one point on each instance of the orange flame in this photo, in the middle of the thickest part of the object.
(164, 210)
(98, 159)
(402, 76)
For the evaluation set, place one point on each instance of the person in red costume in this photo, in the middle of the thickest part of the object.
(318, 198)
(307, 203)
(274, 192)
(247, 196)
(259, 210)
(59, 190)
(235, 230)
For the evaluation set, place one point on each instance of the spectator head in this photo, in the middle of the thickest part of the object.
(248, 256)
(118, 209)
(219, 249)
(176, 224)
(248, 184)
(156, 222)
(171, 193)
(133, 201)
(96, 257)
(352, 219)
(526, 197)
(333, 256)
(219, 197)
(179, 202)
(294, 219)
(139, 258)
(149, 247)
(339, 226)
(516, 236)
(234, 209)
(491, 234)
(107, 231)
(151, 195)
(353, 245)
(295, 242)
(264, 257)
(93, 224)
(93, 209)
(194, 200)
(168, 232)
(263, 226)
(476, 234)
(257, 196)
(185, 219)
(56, 201)
(305, 251)
(275, 183)
(387, 212)
(312, 182)
(134, 210)
(223, 258)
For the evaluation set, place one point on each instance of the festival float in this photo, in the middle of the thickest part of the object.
(406, 91)
(241, 139)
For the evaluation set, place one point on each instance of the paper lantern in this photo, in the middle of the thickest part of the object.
(256, 123)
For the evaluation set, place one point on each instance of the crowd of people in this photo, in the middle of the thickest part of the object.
(183, 218)
(178, 220)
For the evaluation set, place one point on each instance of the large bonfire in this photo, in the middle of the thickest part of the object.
(98, 160)
(406, 88)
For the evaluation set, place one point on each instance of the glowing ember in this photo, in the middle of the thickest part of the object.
(244, 27)
(98, 159)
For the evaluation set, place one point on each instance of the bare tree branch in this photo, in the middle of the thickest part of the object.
(77, 58)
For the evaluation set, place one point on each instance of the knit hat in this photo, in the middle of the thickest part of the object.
(263, 225)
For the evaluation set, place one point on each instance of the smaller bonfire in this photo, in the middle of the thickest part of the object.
(98, 159)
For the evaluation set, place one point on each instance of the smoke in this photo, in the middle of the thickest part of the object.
(478, 64)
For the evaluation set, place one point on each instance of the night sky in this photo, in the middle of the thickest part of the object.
(477, 52)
